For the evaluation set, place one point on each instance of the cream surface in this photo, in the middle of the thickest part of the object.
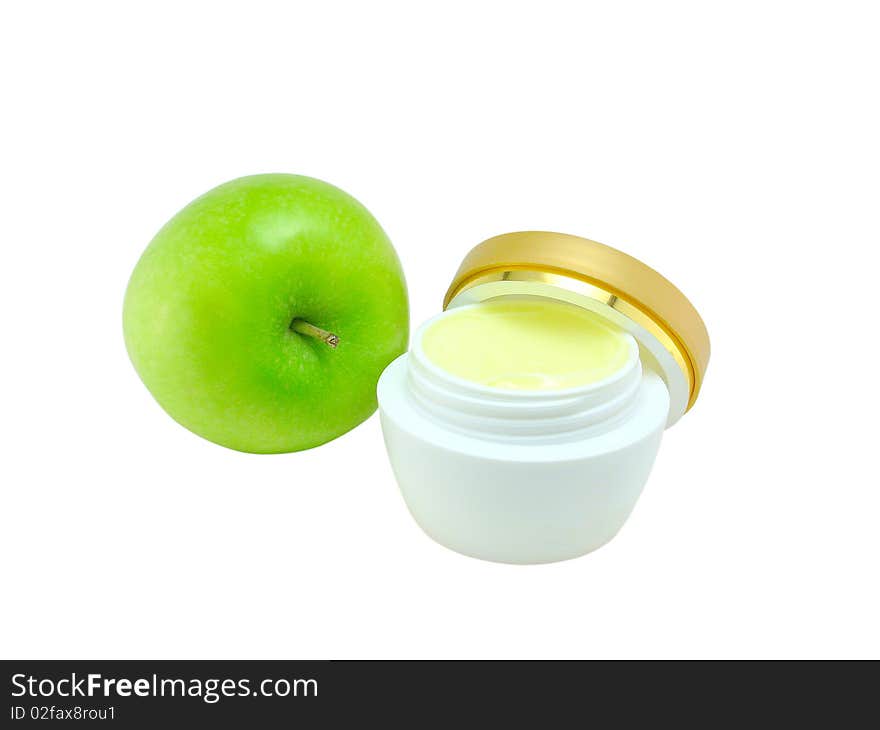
(526, 344)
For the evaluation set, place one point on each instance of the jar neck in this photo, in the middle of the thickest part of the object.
(533, 416)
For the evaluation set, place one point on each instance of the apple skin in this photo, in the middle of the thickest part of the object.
(209, 305)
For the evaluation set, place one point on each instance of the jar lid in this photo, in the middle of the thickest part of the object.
(670, 332)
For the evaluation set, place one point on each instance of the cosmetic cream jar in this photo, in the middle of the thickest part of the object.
(536, 475)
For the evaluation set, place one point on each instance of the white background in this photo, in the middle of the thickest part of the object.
(732, 146)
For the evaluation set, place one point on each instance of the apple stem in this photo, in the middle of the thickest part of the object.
(308, 329)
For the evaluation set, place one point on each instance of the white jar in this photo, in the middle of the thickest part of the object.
(529, 476)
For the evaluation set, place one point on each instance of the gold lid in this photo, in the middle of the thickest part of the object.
(602, 273)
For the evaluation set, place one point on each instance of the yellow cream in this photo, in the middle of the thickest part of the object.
(526, 344)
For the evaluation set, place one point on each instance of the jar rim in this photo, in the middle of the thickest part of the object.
(417, 351)
(532, 415)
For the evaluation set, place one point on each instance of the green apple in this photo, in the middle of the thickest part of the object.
(261, 315)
